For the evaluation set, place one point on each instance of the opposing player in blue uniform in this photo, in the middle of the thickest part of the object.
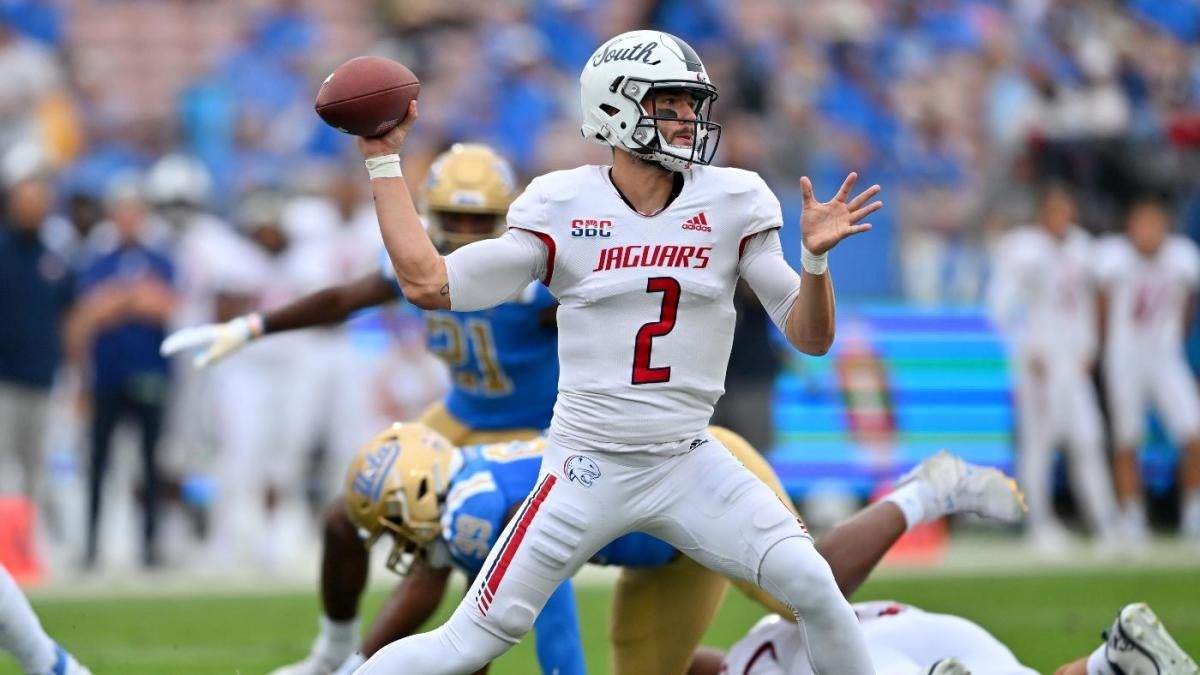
(503, 361)
(445, 507)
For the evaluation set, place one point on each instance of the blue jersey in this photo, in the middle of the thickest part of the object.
(492, 483)
(503, 360)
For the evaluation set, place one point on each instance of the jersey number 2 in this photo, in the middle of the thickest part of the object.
(642, 372)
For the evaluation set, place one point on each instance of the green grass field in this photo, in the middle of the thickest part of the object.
(1047, 619)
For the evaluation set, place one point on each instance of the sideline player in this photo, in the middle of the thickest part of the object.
(645, 327)
(470, 493)
(905, 640)
(1149, 279)
(504, 362)
(22, 635)
(1042, 299)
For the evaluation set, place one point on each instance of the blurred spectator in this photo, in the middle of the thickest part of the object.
(941, 261)
(125, 298)
(35, 292)
(31, 75)
(1043, 301)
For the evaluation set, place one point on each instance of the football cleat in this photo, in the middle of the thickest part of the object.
(1138, 644)
(951, 485)
(951, 666)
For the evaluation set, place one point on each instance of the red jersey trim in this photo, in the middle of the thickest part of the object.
(550, 251)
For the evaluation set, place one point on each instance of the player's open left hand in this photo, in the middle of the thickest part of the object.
(391, 142)
(824, 224)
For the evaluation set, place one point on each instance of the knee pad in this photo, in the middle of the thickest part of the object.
(514, 621)
(796, 575)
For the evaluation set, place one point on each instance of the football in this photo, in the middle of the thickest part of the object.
(367, 96)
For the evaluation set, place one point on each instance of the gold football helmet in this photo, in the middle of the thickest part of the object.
(396, 484)
(469, 179)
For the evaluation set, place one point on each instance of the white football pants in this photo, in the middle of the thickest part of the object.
(1059, 407)
(1164, 381)
(695, 496)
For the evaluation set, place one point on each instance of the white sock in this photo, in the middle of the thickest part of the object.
(910, 500)
(337, 639)
(1097, 663)
(351, 664)
(1189, 519)
(1134, 512)
(21, 633)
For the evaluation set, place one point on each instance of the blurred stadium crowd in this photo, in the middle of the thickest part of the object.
(162, 167)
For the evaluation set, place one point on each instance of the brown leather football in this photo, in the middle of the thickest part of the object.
(367, 95)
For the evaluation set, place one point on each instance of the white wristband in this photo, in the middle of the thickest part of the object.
(256, 324)
(812, 263)
(386, 166)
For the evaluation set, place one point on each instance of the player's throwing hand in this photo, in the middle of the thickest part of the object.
(391, 142)
(824, 224)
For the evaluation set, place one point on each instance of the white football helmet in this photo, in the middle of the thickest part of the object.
(179, 179)
(622, 73)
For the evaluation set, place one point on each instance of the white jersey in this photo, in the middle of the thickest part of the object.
(349, 246)
(210, 256)
(902, 640)
(1042, 296)
(646, 311)
(1147, 296)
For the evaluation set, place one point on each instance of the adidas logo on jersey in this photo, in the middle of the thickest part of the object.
(698, 223)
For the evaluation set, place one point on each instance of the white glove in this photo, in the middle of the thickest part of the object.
(217, 339)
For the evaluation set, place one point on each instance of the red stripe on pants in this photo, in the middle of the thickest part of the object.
(492, 584)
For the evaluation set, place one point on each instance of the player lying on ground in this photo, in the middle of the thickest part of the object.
(905, 640)
(456, 524)
(643, 257)
(22, 635)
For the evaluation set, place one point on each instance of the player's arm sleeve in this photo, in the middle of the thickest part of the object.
(557, 638)
(1003, 294)
(1105, 268)
(1191, 266)
(770, 276)
(487, 273)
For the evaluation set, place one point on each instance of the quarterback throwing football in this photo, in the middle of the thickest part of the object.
(643, 257)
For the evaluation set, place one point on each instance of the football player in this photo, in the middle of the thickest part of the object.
(643, 257)
(1149, 279)
(1042, 299)
(22, 635)
(503, 361)
(905, 640)
(258, 463)
(446, 507)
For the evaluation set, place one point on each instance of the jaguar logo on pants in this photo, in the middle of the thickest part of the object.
(581, 470)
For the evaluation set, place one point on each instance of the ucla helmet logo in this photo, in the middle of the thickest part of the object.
(581, 470)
